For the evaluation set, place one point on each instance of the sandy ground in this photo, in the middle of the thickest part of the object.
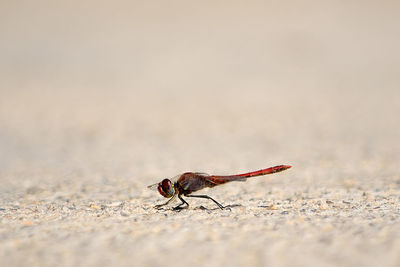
(94, 111)
(76, 195)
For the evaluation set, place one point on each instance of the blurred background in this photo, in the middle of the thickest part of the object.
(100, 98)
(139, 89)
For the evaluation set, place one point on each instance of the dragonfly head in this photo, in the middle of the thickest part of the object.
(166, 188)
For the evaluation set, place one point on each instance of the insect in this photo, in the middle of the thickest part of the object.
(187, 183)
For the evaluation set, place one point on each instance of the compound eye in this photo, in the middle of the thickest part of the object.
(166, 188)
(166, 185)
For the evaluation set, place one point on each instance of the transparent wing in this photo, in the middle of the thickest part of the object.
(202, 173)
(153, 186)
(217, 180)
(175, 178)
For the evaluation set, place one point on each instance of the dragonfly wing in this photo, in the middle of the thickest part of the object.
(217, 180)
(153, 186)
(202, 173)
(190, 182)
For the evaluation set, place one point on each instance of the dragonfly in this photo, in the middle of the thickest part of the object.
(187, 183)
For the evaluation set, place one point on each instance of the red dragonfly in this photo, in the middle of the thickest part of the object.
(189, 182)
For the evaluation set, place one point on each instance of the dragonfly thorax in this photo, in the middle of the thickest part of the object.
(166, 188)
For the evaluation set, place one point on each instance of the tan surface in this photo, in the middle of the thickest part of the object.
(98, 101)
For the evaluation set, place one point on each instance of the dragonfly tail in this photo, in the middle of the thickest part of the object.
(270, 170)
(217, 180)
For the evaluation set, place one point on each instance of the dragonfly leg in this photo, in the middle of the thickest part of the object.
(205, 196)
(166, 203)
(183, 202)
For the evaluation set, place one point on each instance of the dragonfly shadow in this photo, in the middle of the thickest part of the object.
(227, 207)
(179, 209)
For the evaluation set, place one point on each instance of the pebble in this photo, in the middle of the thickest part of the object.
(123, 213)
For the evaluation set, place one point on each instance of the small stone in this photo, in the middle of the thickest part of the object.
(27, 223)
(115, 204)
(95, 207)
(270, 207)
(123, 213)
